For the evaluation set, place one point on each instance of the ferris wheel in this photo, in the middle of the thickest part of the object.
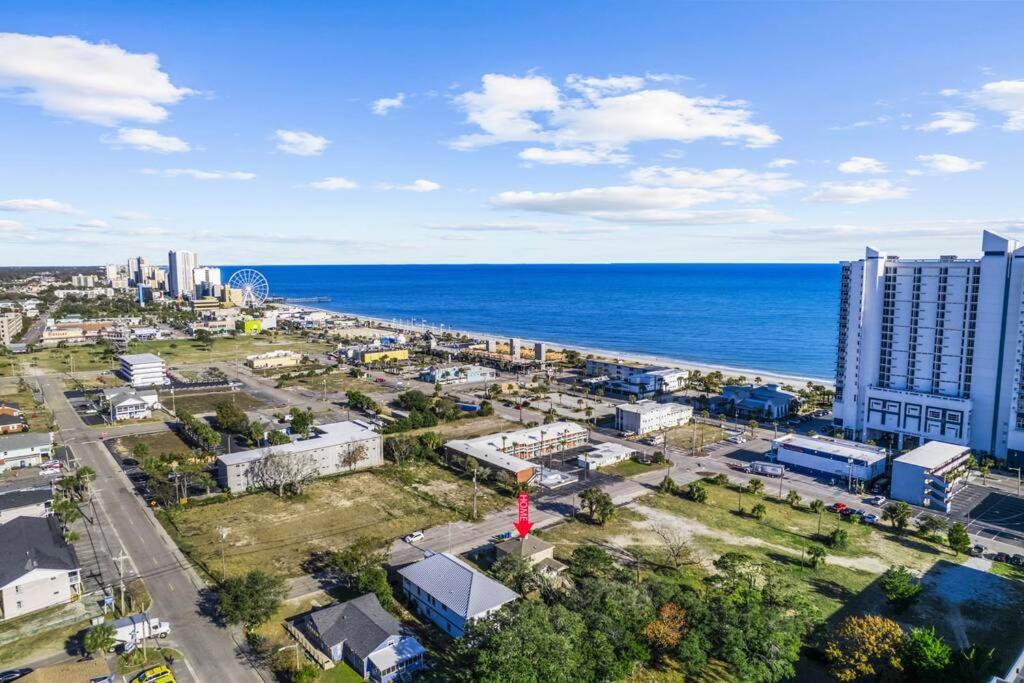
(251, 284)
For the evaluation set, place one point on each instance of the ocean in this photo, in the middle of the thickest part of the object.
(768, 317)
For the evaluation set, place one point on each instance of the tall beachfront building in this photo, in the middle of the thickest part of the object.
(180, 278)
(933, 349)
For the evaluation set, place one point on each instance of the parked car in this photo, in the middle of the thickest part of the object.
(1017, 560)
(837, 507)
(13, 674)
(877, 500)
(413, 537)
(977, 551)
(380, 380)
(869, 518)
(156, 674)
(1002, 557)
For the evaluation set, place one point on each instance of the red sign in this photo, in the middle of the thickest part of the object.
(523, 524)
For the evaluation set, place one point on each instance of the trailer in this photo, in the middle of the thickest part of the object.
(133, 628)
(768, 469)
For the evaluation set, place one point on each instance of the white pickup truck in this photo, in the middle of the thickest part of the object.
(135, 627)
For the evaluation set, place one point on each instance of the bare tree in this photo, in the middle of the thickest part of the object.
(355, 455)
(677, 548)
(284, 473)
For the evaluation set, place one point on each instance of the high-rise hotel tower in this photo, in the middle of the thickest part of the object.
(933, 349)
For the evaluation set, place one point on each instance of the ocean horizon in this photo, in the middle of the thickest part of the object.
(779, 318)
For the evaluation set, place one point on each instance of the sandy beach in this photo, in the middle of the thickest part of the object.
(767, 377)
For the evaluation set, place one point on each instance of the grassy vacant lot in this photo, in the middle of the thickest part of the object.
(104, 381)
(963, 599)
(39, 638)
(469, 427)
(38, 416)
(683, 436)
(277, 534)
(337, 382)
(207, 402)
(89, 357)
(187, 351)
(161, 442)
(631, 468)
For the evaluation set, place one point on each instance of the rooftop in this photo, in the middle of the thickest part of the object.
(141, 358)
(646, 406)
(362, 622)
(932, 455)
(839, 447)
(16, 442)
(333, 434)
(32, 543)
(524, 547)
(16, 499)
(456, 585)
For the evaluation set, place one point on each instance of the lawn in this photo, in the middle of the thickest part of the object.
(40, 640)
(103, 381)
(337, 383)
(686, 436)
(271, 533)
(631, 468)
(38, 416)
(77, 358)
(207, 402)
(468, 427)
(160, 442)
(188, 351)
(1008, 570)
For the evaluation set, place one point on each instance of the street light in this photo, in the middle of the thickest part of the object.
(1018, 477)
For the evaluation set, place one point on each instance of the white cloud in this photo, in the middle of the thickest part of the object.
(1005, 97)
(96, 82)
(132, 216)
(199, 174)
(949, 92)
(781, 163)
(382, 106)
(951, 122)
(948, 163)
(421, 185)
(636, 204)
(578, 156)
(524, 226)
(146, 140)
(334, 183)
(862, 165)
(611, 115)
(877, 121)
(26, 205)
(93, 225)
(737, 180)
(9, 226)
(858, 193)
(300, 143)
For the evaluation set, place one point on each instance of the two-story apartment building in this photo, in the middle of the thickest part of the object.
(38, 569)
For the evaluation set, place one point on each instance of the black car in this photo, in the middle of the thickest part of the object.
(1001, 557)
(13, 674)
(1017, 560)
(848, 512)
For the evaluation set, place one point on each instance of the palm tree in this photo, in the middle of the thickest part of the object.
(759, 511)
(817, 507)
(755, 487)
(793, 498)
(99, 638)
(816, 555)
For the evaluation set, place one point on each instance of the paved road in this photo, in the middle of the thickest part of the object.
(178, 593)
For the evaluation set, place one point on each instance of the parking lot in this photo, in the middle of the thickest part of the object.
(990, 514)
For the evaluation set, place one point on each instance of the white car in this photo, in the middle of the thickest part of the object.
(869, 518)
(413, 537)
(877, 500)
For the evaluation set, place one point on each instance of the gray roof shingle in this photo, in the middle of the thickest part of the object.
(457, 586)
(16, 499)
(361, 621)
(33, 542)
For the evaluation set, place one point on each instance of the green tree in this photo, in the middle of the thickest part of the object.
(231, 418)
(99, 638)
(898, 514)
(900, 586)
(598, 504)
(759, 511)
(250, 599)
(959, 541)
(374, 579)
(931, 526)
(302, 421)
(793, 498)
(925, 654)
(755, 487)
(697, 492)
(517, 573)
(590, 560)
(818, 508)
(839, 538)
(816, 555)
(668, 486)
(254, 433)
(865, 647)
(277, 438)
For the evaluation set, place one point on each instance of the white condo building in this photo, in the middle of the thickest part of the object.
(181, 266)
(143, 370)
(933, 349)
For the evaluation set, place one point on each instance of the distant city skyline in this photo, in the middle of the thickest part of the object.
(466, 133)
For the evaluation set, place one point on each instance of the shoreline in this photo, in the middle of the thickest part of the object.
(767, 376)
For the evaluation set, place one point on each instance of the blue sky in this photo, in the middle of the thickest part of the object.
(507, 132)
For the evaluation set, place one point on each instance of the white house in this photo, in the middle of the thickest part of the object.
(126, 403)
(824, 455)
(34, 502)
(604, 454)
(452, 594)
(143, 369)
(38, 569)
(24, 450)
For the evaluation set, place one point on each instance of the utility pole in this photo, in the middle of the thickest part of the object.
(120, 573)
(1018, 477)
(449, 537)
(222, 532)
(474, 493)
